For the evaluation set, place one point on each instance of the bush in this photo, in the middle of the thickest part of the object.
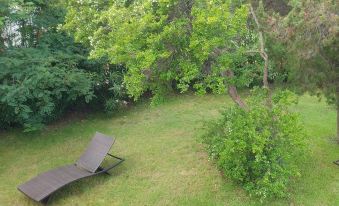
(110, 90)
(258, 148)
(37, 86)
(44, 73)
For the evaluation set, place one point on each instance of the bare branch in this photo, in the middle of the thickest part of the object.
(262, 51)
(232, 90)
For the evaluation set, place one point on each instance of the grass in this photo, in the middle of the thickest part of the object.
(165, 164)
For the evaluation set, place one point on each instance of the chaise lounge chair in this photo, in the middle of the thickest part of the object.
(41, 187)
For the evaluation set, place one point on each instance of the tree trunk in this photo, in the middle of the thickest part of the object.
(337, 106)
(264, 55)
(262, 51)
(337, 123)
(37, 37)
(23, 33)
(232, 91)
(2, 43)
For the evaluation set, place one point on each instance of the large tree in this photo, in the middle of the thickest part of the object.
(196, 43)
(309, 34)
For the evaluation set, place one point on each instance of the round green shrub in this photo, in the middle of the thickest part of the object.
(259, 148)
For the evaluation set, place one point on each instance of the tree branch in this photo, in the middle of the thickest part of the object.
(232, 90)
(262, 51)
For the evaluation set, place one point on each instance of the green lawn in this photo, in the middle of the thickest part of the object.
(165, 164)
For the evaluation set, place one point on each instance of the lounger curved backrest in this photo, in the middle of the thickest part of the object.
(95, 153)
(41, 187)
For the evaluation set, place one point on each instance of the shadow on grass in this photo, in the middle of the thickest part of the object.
(85, 185)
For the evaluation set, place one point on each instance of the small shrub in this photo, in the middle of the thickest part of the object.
(110, 89)
(258, 148)
(112, 105)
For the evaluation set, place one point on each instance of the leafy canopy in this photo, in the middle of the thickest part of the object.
(310, 35)
(43, 72)
(190, 43)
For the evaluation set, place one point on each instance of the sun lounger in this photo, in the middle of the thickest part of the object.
(41, 187)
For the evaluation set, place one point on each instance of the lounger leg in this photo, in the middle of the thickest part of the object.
(116, 164)
(45, 201)
(336, 162)
(115, 157)
(105, 170)
(102, 169)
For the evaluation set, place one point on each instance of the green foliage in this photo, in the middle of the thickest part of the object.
(110, 89)
(191, 43)
(258, 148)
(38, 86)
(39, 72)
(44, 72)
(308, 37)
(112, 105)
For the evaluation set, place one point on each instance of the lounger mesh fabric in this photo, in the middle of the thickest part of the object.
(95, 152)
(42, 186)
(46, 183)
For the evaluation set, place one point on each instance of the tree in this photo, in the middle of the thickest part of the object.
(310, 35)
(39, 77)
(208, 46)
(43, 72)
(200, 44)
